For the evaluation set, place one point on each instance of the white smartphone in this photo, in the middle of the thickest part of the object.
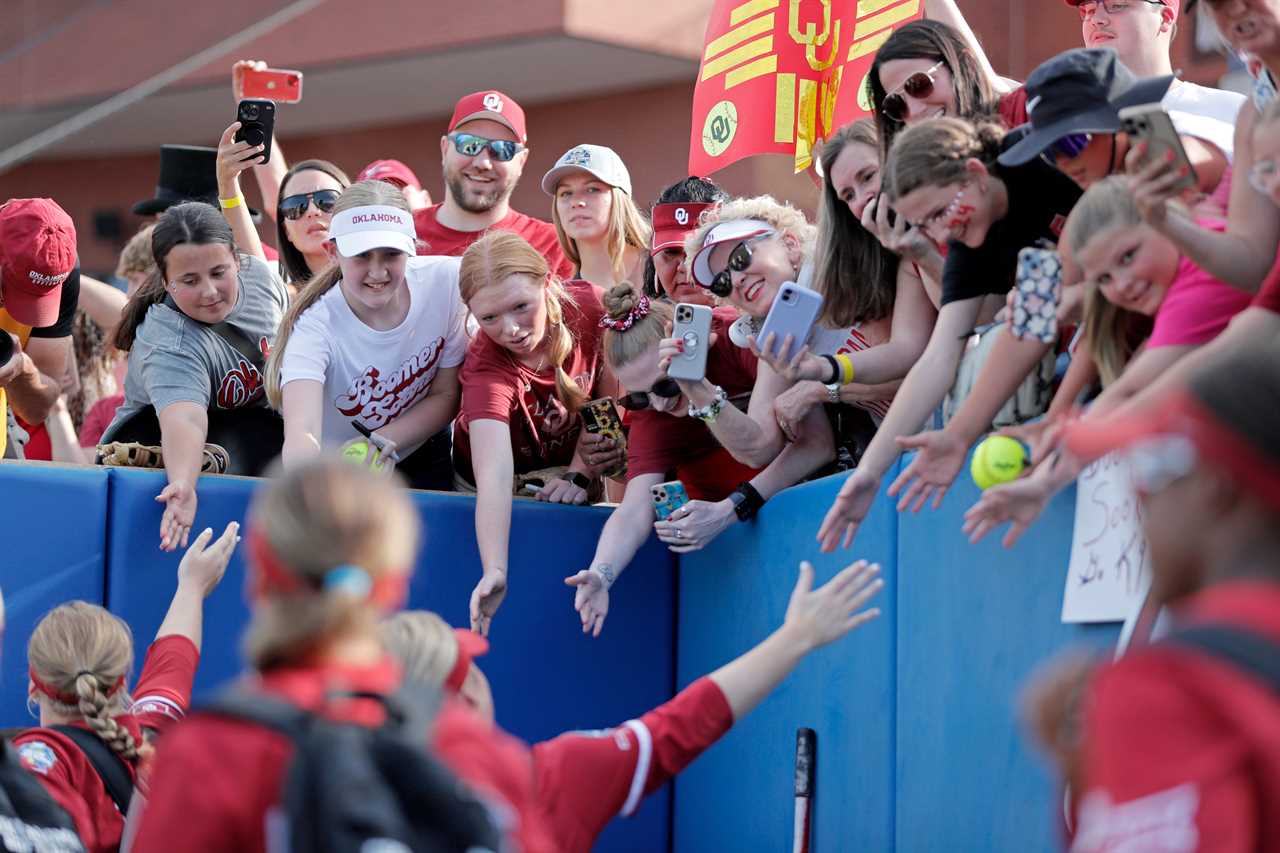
(1149, 123)
(794, 311)
(693, 326)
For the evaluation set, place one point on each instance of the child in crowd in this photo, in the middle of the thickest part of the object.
(376, 340)
(597, 223)
(533, 365)
(198, 334)
(674, 215)
(79, 657)
(582, 780)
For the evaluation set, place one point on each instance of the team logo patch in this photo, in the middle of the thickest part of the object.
(493, 101)
(1056, 225)
(576, 157)
(38, 757)
(682, 216)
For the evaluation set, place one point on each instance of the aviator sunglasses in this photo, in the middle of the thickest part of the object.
(469, 145)
(918, 86)
(294, 206)
(666, 388)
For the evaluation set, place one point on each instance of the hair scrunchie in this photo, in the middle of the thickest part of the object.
(639, 312)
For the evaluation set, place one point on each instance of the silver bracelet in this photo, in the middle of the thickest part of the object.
(711, 411)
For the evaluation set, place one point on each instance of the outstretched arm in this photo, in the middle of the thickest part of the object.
(201, 569)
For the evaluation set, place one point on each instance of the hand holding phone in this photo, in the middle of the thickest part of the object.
(692, 327)
(668, 497)
(257, 124)
(601, 417)
(1150, 124)
(794, 311)
(1036, 294)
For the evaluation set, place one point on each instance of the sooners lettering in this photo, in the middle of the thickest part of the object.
(242, 385)
(377, 401)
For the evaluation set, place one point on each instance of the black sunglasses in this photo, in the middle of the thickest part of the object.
(469, 145)
(739, 259)
(636, 401)
(918, 85)
(294, 206)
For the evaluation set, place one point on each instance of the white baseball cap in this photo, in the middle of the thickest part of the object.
(598, 160)
(376, 226)
(733, 231)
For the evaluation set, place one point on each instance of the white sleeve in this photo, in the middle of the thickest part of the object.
(1214, 131)
(307, 353)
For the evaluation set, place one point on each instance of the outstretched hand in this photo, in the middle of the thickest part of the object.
(486, 598)
(816, 617)
(591, 600)
(1019, 502)
(848, 511)
(939, 459)
(204, 565)
(179, 501)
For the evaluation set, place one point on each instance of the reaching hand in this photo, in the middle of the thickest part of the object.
(12, 368)
(1155, 184)
(931, 472)
(179, 501)
(591, 600)
(1019, 502)
(848, 511)
(793, 405)
(1041, 437)
(816, 617)
(694, 525)
(791, 364)
(204, 565)
(486, 598)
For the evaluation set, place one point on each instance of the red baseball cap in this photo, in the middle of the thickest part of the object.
(391, 171)
(37, 253)
(673, 221)
(1172, 4)
(493, 105)
(470, 646)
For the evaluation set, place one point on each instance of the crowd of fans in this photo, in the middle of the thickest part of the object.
(459, 342)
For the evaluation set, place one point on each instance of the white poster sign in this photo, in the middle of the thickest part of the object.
(1110, 566)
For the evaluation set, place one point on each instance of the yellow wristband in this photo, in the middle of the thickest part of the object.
(228, 203)
(846, 368)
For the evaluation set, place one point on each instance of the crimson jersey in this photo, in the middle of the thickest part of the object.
(443, 240)
(1182, 750)
(161, 697)
(584, 779)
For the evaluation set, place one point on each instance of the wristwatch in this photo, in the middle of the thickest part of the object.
(746, 501)
(578, 479)
(833, 393)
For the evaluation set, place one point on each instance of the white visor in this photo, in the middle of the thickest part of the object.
(359, 229)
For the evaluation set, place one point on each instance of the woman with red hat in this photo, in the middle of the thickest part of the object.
(677, 212)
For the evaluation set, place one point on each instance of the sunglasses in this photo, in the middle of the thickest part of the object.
(636, 401)
(739, 259)
(918, 86)
(294, 206)
(470, 145)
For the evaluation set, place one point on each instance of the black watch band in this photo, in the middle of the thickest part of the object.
(746, 501)
(577, 478)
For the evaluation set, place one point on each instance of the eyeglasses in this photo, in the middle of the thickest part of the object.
(636, 401)
(1089, 8)
(470, 145)
(1158, 463)
(918, 85)
(1263, 175)
(739, 259)
(294, 206)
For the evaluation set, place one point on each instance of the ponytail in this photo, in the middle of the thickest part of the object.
(151, 292)
(934, 152)
(562, 345)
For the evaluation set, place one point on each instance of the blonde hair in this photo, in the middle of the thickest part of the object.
(136, 256)
(935, 151)
(317, 516)
(361, 194)
(784, 219)
(622, 348)
(423, 644)
(627, 228)
(500, 254)
(80, 649)
(1112, 334)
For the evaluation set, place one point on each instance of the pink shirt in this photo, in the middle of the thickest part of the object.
(1197, 306)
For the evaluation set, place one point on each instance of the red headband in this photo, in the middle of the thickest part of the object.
(272, 578)
(470, 646)
(640, 311)
(66, 698)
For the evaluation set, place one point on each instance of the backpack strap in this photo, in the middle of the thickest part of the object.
(1248, 651)
(235, 338)
(107, 763)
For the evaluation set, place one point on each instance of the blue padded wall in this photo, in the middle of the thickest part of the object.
(738, 796)
(55, 534)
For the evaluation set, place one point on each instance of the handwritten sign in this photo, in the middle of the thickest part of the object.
(1110, 566)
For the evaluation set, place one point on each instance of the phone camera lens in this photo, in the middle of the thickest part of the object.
(251, 111)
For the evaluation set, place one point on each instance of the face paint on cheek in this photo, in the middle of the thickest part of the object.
(960, 218)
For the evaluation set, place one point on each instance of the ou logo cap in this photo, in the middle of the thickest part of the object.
(682, 216)
(493, 101)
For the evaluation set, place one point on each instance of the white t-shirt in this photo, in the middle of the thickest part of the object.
(1208, 114)
(373, 376)
(827, 341)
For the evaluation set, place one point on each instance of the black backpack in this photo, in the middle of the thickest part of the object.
(1248, 651)
(106, 762)
(350, 788)
(30, 820)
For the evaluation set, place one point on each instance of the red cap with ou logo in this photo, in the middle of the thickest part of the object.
(673, 221)
(37, 253)
(492, 105)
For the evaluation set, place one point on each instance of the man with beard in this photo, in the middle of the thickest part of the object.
(483, 153)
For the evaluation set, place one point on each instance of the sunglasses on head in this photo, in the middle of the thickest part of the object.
(739, 259)
(918, 85)
(470, 145)
(666, 388)
(294, 206)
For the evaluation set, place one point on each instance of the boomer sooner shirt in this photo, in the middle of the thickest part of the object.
(374, 376)
(178, 360)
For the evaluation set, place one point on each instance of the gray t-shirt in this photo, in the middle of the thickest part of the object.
(176, 359)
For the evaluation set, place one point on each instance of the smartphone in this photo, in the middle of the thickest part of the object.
(601, 417)
(1149, 123)
(668, 497)
(1037, 291)
(273, 84)
(795, 309)
(693, 326)
(257, 122)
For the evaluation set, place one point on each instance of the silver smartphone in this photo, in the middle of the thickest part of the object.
(1149, 123)
(692, 326)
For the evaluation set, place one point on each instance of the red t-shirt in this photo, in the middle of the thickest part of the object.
(1013, 108)
(161, 698)
(584, 779)
(215, 779)
(660, 443)
(496, 386)
(99, 417)
(1182, 751)
(1269, 295)
(443, 240)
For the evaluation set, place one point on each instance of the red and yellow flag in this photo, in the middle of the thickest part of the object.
(779, 75)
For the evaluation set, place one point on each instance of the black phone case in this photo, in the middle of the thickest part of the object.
(257, 123)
